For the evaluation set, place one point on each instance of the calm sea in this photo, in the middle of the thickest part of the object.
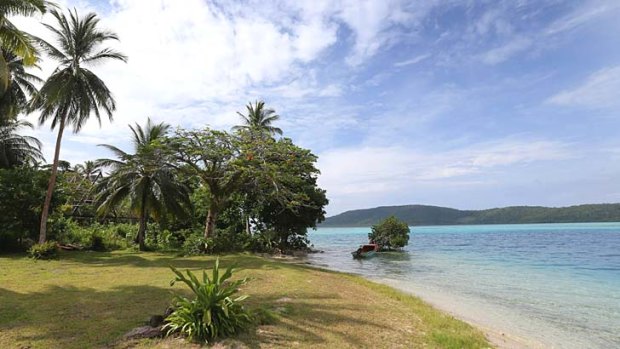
(556, 283)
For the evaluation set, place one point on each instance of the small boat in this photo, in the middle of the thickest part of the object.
(364, 251)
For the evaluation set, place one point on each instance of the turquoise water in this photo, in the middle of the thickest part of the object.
(556, 283)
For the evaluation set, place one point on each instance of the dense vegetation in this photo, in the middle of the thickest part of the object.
(197, 190)
(433, 215)
(391, 233)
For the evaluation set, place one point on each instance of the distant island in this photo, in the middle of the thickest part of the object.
(435, 215)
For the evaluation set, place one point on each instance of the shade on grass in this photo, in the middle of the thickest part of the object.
(89, 300)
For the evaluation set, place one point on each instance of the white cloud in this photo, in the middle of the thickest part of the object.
(600, 90)
(506, 51)
(196, 62)
(414, 60)
(393, 171)
(582, 15)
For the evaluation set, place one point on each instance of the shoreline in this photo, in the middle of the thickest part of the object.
(499, 338)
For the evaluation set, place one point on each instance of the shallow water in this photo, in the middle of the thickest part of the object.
(556, 283)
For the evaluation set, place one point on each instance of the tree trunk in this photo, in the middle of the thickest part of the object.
(143, 220)
(248, 230)
(142, 231)
(51, 184)
(211, 217)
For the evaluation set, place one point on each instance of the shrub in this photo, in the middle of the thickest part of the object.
(46, 250)
(196, 244)
(213, 312)
(390, 233)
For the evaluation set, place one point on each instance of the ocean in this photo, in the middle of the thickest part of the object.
(552, 285)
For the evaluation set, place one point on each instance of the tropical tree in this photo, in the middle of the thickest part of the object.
(146, 179)
(212, 157)
(15, 149)
(13, 40)
(19, 89)
(73, 93)
(259, 119)
(281, 189)
(391, 233)
(88, 170)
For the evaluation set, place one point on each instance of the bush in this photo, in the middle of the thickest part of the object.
(196, 244)
(390, 233)
(96, 237)
(261, 243)
(46, 250)
(22, 192)
(213, 313)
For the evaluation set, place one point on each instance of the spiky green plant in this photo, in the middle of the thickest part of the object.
(213, 312)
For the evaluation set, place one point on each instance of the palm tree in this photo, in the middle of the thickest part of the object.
(17, 150)
(13, 40)
(19, 89)
(89, 171)
(259, 119)
(147, 179)
(72, 93)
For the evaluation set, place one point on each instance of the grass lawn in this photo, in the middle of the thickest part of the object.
(89, 299)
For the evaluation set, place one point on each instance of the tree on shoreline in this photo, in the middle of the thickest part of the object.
(391, 233)
(72, 93)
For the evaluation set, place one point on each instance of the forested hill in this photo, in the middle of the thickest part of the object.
(434, 215)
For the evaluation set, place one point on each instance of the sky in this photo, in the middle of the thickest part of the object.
(466, 104)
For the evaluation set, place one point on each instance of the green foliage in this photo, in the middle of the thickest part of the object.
(390, 233)
(282, 192)
(20, 87)
(14, 40)
(259, 119)
(95, 236)
(46, 250)
(212, 313)
(23, 190)
(212, 158)
(196, 244)
(17, 150)
(147, 179)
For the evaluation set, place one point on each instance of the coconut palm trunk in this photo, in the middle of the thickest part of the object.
(142, 230)
(51, 184)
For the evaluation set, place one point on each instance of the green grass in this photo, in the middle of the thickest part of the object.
(89, 299)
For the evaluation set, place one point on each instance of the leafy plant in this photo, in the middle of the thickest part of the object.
(390, 233)
(196, 244)
(212, 313)
(46, 250)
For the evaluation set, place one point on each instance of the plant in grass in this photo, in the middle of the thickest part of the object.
(213, 312)
(46, 250)
(391, 233)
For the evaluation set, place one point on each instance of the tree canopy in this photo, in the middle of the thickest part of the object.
(391, 233)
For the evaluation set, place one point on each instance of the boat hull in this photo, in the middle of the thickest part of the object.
(363, 254)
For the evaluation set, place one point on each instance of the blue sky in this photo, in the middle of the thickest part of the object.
(468, 104)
